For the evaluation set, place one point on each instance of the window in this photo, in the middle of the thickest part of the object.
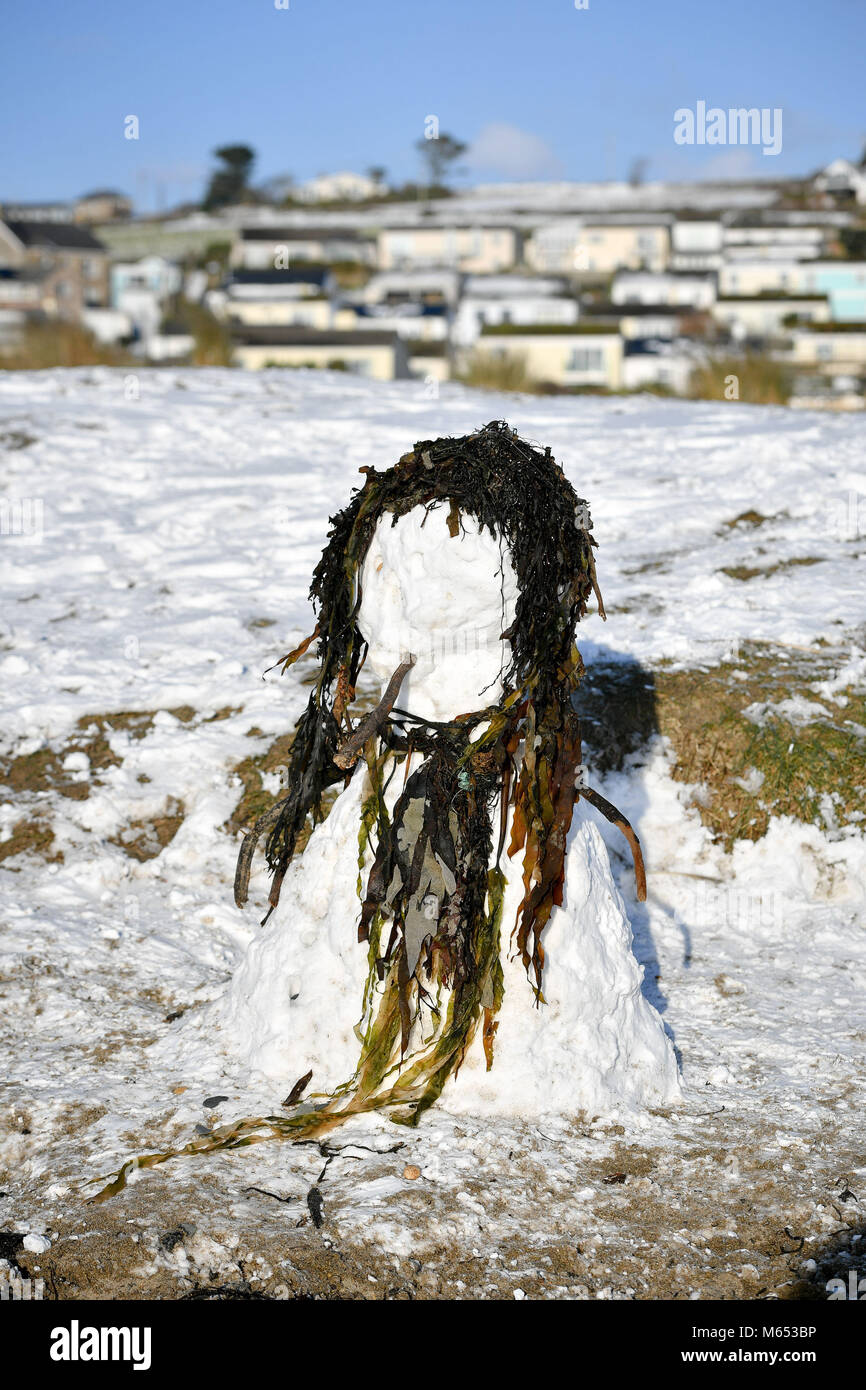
(585, 360)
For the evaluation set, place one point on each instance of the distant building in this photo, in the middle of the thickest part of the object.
(140, 289)
(560, 355)
(338, 188)
(511, 300)
(842, 180)
(592, 246)
(696, 242)
(300, 298)
(668, 287)
(763, 315)
(279, 248)
(426, 285)
(72, 264)
(382, 356)
(475, 250)
(104, 205)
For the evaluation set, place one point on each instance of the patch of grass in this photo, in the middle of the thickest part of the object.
(811, 772)
(760, 380)
(145, 839)
(498, 373)
(746, 572)
(31, 837)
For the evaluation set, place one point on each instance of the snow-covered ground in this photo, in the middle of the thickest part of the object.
(158, 537)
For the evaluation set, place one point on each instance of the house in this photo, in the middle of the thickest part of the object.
(746, 278)
(36, 212)
(425, 285)
(517, 304)
(382, 356)
(831, 349)
(104, 205)
(344, 187)
(690, 289)
(560, 355)
(763, 315)
(260, 298)
(844, 283)
(140, 289)
(641, 321)
(74, 264)
(429, 361)
(651, 363)
(279, 248)
(842, 180)
(477, 250)
(598, 246)
(696, 242)
(422, 323)
(754, 238)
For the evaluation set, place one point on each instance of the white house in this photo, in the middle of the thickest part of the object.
(382, 356)
(598, 246)
(764, 315)
(343, 187)
(696, 243)
(511, 299)
(689, 289)
(279, 248)
(424, 285)
(473, 249)
(562, 355)
(841, 177)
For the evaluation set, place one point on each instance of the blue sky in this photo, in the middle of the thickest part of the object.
(537, 88)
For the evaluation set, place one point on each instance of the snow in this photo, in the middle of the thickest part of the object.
(180, 517)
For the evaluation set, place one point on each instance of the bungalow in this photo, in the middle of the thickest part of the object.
(668, 287)
(762, 315)
(74, 262)
(520, 307)
(344, 187)
(842, 180)
(640, 321)
(832, 349)
(560, 354)
(477, 250)
(382, 356)
(593, 246)
(424, 323)
(422, 286)
(696, 242)
(260, 298)
(844, 283)
(279, 248)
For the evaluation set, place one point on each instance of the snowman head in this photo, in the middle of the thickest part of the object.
(475, 555)
(445, 599)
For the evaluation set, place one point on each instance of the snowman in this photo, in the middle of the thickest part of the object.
(452, 933)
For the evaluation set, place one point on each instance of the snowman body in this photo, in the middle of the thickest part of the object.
(596, 1045)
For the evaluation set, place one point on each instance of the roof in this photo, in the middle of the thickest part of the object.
(532, 330)
(63, 236)
(311, 275)
(300, 234)
(623, 311)
(290, 336)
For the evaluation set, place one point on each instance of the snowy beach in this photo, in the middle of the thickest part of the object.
(156, 550)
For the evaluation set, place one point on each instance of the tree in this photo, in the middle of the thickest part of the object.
(378, 173)
(229, 183)
(439, 154)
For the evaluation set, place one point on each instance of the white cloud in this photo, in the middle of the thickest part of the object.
(512, 153)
